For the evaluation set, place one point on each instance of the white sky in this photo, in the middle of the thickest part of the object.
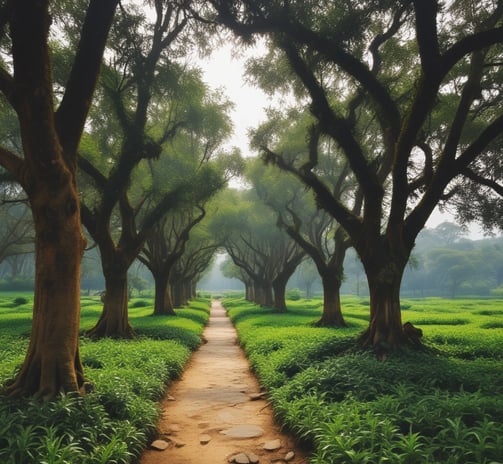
(223, 70)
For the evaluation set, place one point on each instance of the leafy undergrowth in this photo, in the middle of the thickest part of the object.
(444, 405)
(113, 423)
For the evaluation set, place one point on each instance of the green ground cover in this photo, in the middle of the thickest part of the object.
(444, 405)
(113, 423)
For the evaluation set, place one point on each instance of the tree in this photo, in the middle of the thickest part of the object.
(152, 106)
(313, 229)
(376, 76)
(266, 254)
(163, 248)
(46, 169)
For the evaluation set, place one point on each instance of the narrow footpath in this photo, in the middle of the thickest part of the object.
(215, 413)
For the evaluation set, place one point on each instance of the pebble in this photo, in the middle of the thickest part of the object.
(289, 456)
(204, 439)
(244, 458)
(159, 445)
(272, 445)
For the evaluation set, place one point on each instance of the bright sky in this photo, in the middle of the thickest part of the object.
(223, 70)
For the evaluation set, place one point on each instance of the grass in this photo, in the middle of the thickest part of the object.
(440, 406)
(114, 422)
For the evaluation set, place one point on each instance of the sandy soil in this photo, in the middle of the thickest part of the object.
(208, 415)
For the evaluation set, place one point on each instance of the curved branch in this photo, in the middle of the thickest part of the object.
(498, 188)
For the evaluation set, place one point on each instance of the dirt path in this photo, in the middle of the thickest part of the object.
(209, 415)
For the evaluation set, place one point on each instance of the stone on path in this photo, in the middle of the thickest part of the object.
(289, 456)
(244, 458)
(244, 431)
(204, 439)
(159, 445)
(272, 445)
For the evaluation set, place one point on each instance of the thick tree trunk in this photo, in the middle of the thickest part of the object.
(332, 312)
(114, 321)
(386, 332)
(177, 294)
(52, 363)
(249, 292)
(263, 294)
(163, 306)
(279, 287)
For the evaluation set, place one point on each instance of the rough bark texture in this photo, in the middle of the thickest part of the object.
(386, 332)
(52, 363)
(163, 305)
(332, 312)
(114, 321)
(47, 172)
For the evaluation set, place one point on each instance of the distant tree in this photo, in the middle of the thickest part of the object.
(163, 248)
(312, 229)
(376, 79)
(16, 230)
(264, 252)
(453, 268)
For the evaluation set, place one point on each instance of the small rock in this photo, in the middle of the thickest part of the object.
(289, 456)
(170, 398)
(204, 439)
(159, 445)
(179, 444)
(241, 458)
(272, 445)
(254, 459)
(257, 396)
(244, 431)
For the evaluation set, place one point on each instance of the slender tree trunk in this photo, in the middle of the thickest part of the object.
(332, 311)
(114, 321)
(163, 305)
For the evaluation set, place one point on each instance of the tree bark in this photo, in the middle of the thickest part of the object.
(332, 311)
(279, 287)
(47, 172)
(52, 363)
(163, 305)
(386, 332)
(114, 321)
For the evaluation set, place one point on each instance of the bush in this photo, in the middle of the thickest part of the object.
(444, 405)
(113, 423)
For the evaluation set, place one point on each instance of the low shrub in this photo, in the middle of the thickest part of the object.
(113, 423)
(444, 405)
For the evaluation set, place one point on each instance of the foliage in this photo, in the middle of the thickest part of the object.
(112, 423)
(443, 405)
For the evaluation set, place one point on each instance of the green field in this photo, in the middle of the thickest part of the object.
(114, 422)
(443, 405)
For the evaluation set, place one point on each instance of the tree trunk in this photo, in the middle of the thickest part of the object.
(386, 332)
(52, 364)
(249, 292)
(177, 294)
(163, 306)
(279, 287)
(332, 312)
(114, 320)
